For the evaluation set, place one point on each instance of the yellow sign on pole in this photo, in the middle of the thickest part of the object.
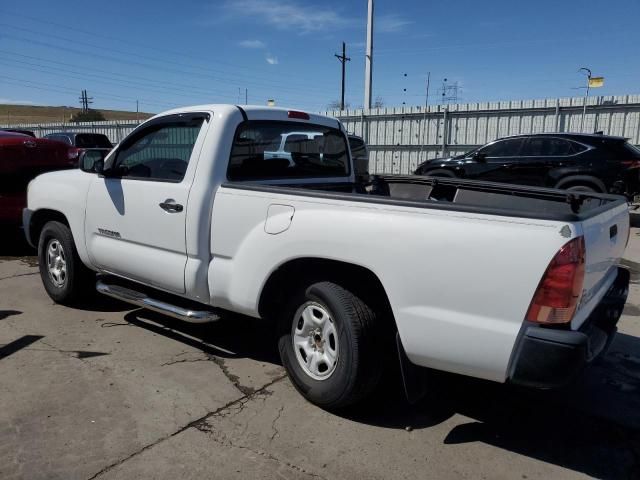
(596, 82)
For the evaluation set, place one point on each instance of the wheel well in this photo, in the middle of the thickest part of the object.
(592, 182)
(40, 218)
(302, 271)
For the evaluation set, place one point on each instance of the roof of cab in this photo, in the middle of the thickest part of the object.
(256, 112)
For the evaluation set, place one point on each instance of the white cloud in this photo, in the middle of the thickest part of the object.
(288, 14)
(252, 44)
(271, 60)
(9, 101)
(390, 23)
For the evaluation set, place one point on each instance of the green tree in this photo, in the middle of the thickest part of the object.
(88, 116)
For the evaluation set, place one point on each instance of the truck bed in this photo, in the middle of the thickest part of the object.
(458, 195)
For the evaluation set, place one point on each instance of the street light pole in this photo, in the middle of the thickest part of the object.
(368, 59)
(586, 96)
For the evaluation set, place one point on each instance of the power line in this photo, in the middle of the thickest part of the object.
(98, 78)
(50, 87)
(120, 40)
(162, 62)
(209, 97)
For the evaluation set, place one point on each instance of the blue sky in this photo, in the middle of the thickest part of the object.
(168, 53)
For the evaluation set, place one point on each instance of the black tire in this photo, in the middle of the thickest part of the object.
(77, 279)
(582, 188)
(440, 172)
(356, 372)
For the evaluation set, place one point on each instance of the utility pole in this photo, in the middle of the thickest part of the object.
(343, 60)
(85, 101)
(423, 126)
(368, 61)
(137, 111)
(586, 96)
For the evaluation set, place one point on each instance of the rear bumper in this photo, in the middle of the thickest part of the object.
(548, 357)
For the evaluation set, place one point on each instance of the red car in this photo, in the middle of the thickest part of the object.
(22, 158)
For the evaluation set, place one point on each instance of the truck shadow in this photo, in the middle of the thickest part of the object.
(592, 426)
(233, 336)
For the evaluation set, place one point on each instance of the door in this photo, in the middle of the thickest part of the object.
(539, 155)
(494, 162)
(135, 219)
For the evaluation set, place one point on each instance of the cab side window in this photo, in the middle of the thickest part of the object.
(160, 152)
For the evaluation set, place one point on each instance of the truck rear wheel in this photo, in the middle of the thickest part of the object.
(329, 344)
(63, 274)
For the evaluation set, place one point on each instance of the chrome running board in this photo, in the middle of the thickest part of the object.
(142, 300)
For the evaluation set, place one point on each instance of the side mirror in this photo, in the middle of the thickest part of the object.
(92, 161)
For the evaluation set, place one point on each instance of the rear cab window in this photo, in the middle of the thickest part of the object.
(92, 140)
(272, 150)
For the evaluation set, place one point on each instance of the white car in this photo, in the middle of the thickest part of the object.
(288, 145)
(189, 216)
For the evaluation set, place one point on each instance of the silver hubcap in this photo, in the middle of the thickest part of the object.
(315, 341)
(56, 263)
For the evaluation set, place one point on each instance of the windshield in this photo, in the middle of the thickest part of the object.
(310, 151)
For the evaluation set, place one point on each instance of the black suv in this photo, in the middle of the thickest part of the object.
(571, 161)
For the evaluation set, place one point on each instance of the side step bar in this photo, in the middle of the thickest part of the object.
(142, 300)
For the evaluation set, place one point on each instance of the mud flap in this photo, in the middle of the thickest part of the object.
(414, 378)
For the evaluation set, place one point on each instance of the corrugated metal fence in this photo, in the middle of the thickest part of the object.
(116, 130)
(400, 138)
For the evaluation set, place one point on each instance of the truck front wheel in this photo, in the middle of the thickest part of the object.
(329, 344)
(63, 274)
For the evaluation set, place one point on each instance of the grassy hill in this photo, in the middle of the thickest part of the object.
(15, 114)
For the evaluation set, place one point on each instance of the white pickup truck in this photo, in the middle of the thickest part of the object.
(187, 216)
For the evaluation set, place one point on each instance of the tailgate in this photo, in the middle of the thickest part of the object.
(606, 236)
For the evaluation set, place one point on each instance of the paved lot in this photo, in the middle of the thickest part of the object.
(113, 393)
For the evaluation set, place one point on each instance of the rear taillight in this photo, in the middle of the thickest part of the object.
(631, 163)
(559, 291)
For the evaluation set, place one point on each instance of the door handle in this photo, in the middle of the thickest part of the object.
(170, 205)
(29, 143)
